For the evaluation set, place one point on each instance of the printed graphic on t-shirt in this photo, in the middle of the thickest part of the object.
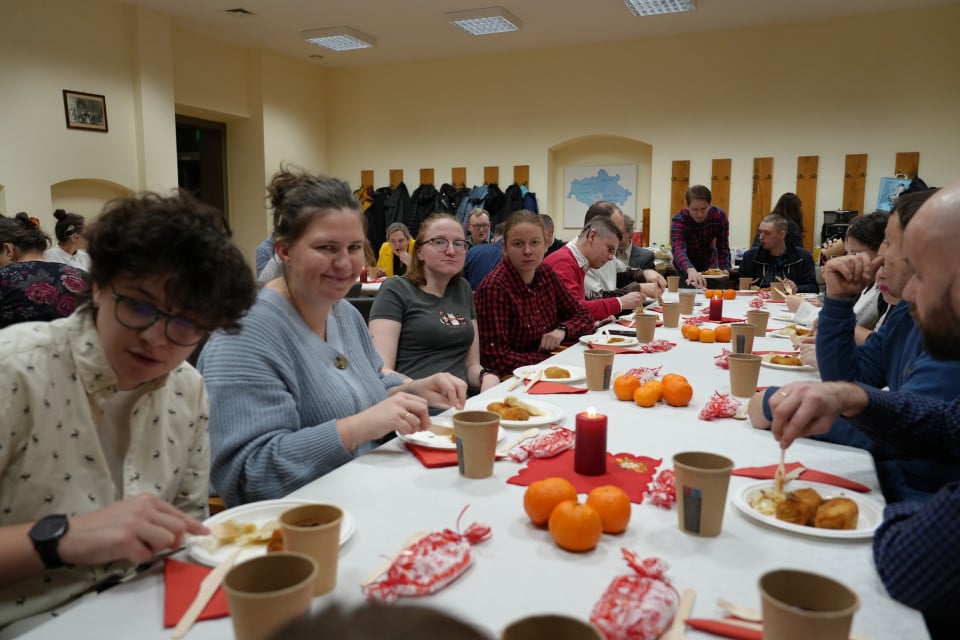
(452, 319)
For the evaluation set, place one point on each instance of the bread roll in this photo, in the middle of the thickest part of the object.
(837, 513)
(514, 401)
(556, 372)
(792, 361)
(795, 511)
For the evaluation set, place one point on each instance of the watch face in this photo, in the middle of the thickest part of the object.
(49, 528)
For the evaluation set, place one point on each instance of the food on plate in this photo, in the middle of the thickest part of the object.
(837, 513)
(765, 501)
(240, 533)
(513, 408)
(712, 272)
(556, 372)
(276, 542)
(799, 507)
(792, 361)
(793, 330)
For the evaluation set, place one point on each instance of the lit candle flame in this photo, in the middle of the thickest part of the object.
(591, 412)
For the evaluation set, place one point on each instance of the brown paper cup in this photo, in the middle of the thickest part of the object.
(798, 605)
(673, 283)
(266, 593)
(671, 314)
(794, 302)
(701, 487)
(748, 331)
(646, 326)
(551, 626)
(686, 302)
(599, 365)
(746, 284)
(476, 433)
(314, 529)
(744, 373)
(759, 320)
(777, 291)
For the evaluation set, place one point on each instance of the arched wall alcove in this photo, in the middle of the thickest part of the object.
(86, 196)
(595, 151)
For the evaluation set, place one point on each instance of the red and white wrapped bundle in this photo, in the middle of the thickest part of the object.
(655, 346)
(663, 493)
(722, 360)
(428, 565)
(645, 374)
(545, 445)
(757, 303)
(720, 405)
(637, 606)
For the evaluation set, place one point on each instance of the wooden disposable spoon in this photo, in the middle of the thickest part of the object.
(780, 477)
(678, 628)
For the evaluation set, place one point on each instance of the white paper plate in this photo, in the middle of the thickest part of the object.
(576, 373)
(871, 511)
(259, 513)
(617, 341)
(433, 441)
(554, 413)
(783, 367)
(783, 317)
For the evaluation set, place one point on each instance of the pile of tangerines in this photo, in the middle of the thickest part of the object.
(573, 525)
(673, 389)
(726, 294)
(696, 333)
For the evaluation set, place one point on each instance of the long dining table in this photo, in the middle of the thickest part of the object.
(519, 571)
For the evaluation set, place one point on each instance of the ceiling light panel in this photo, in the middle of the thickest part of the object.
(339, 38)
(658, 7)
(481, 22)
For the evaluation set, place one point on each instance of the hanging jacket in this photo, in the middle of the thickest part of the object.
(474, 199)
(376, 217)
(446, 199)
(493, 203)
(530, 202)
(421, 204)
(396, 205)
(512, 201)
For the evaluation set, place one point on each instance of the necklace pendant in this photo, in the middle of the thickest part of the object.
(340, 362)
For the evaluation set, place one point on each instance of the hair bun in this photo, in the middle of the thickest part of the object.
(24, 219)
(60, 214)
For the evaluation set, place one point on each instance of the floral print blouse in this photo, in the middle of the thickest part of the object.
(35, 290)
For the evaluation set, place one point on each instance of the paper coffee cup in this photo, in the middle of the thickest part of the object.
(555, 627)
(777, 291)
(701, 488)
(599, 366)
(314, 529)
(686, 302)
(744, 373)
(671, 314)
(745, 330)
(268, 592)
(759, 320)
(746, 284)
(799, 605)
(646, 326)
(476, 433)
(673, 283)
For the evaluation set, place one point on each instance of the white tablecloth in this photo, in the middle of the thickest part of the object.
(520, 571)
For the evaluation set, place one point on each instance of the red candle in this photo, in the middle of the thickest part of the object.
(716, 308)
(590, 444)
(363, 275)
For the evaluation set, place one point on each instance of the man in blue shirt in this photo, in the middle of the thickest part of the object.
(917, 548)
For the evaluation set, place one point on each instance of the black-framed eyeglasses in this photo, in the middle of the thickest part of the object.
(441, 244)
(139, 315)
(481, 225)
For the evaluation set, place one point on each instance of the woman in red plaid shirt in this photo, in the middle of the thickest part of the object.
(523, 310)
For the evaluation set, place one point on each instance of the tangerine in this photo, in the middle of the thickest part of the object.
(708, 335)
(710, 293)
(575, 526)
(624, 386)
(677, 391)
(647, 396)
(672, 376)
(730, 294)
(613, 505)
(693, 332)
(543, 495)
(723, 333)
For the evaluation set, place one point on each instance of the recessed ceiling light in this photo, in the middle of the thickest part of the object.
(658, 7)
(481, 22)
(339, 38)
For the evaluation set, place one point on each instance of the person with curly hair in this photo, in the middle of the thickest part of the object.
(71, 241)
(301, 389)
(104, 451)
(31, 288)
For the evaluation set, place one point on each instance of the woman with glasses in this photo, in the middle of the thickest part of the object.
(425, 322)
(524, 311)
(301, 390)
(104, 451)
(396, 253)
(31, 288)
(71, 241)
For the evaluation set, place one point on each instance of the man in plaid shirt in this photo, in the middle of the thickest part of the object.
(700, 237)
(917, 548)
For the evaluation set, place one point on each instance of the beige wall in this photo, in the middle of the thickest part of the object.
(807, 89)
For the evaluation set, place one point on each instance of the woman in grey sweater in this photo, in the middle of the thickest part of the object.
(300, 390)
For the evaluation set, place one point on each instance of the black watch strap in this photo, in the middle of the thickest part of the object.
(45, 535)
(563, 328)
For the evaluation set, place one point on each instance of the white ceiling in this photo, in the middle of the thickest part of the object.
(409, 30)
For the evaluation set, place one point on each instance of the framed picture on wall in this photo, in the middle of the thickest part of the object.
(585, 185)
(85, 110)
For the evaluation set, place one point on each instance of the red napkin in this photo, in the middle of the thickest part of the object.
(181, 583)
(433, 458)
(544, 387)
(630, 473)
(768, 472)
(723, 628)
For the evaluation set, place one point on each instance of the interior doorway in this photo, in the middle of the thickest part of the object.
(202, 160)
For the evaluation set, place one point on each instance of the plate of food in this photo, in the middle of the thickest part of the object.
(783, 317)
(811, 509)
(785, 362)
(791, 331)
(517, 412)
(561, 373)
(441, 439)
(611, 340)
(251, 527)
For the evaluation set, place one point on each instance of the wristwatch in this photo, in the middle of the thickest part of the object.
(45, 535)
(562, 327)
